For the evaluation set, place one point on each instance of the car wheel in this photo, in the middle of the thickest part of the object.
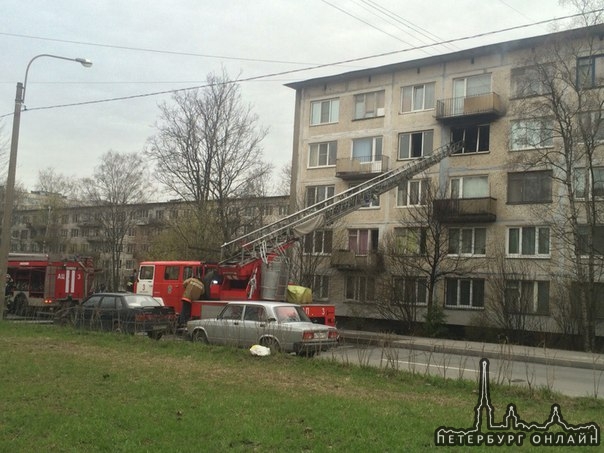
(272, 344)
(199, 336)
(155, 335)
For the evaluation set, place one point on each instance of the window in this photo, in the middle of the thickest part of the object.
(472, 86)
(412, 193)
(527, 297)
(254, 313)
(410, 241)
(367, 149)
(530, 81)
(318, 242)
(415, 144)
(464, 293)
(596, 187)
(266, 210)
(474, 138)
(363, 241)
(593, 127)
(324, 112)
(590, 71)
(597, 240)
(417, 97)
(531, 134)
(283, 210)
(530, 187)
(467, 241)
(470, 187)
(369, 105)
(528, 241)
(74, 233)
(360, 288)
(370, 200)
(171, 273)
(322, 154)
(320, 286)
(316, 194)
(411, 290)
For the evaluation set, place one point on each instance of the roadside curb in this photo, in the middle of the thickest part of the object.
(558, 357)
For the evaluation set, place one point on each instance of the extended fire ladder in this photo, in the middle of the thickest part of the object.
(277, 235)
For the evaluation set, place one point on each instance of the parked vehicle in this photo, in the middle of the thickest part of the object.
(120, 312)
(279, 326)
(39, 282)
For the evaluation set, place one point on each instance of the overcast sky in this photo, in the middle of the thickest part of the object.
(140, 47)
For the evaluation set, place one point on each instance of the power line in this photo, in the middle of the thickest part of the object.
(293, 71)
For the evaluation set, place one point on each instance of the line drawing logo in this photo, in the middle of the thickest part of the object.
(513, 430)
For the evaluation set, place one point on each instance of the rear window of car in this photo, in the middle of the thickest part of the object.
(141, 301)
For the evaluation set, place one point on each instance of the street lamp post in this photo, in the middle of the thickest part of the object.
(9, 189)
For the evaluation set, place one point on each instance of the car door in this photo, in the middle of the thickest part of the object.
(88, 313)
(108, 313)
(226, 329)
(254, 325)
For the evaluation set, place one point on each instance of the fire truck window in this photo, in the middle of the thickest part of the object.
(171, 273)
(187, 273)
(108, 303)
(146, 273)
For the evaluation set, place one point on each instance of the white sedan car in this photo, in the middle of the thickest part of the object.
(279, 326)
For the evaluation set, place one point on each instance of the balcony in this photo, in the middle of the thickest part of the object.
(361, 167)
(481, 107)
(348, 260)
(465, 210)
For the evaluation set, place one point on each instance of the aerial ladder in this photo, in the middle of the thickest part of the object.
(274, 238)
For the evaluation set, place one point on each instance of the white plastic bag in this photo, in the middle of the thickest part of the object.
(260, 351)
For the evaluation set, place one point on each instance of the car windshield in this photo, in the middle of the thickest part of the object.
(291, 314)
(137, 300)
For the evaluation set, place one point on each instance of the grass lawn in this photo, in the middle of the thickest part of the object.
(63, 390)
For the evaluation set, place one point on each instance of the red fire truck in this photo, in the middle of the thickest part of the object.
(255, 266)
(38, 282)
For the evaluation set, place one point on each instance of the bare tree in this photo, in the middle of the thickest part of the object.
(118, 182)
(419, 254)
(208, 151)
(559, 111)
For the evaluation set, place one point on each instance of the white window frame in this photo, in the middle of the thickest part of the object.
(357, 234)
(377, 145)
(320, 286)
(316, 111)
(419, 288)
(321, 193)
(322, 154)
(421, 97)
(458, 186)
(319, 242)
(481, 129)
(536, 288)
(465, 286)
(581, 188)
(527, 134)
(406, 140)
(471, 241)
(369, 105)
(407, 188)
(410, 241)
(359, 288)
(541, 249)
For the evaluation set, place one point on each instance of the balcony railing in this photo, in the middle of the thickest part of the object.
(458, 210)
(349, 260)
(359, 167)
(486, 105)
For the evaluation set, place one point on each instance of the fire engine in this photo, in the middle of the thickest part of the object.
(254, 266)
(38, 282)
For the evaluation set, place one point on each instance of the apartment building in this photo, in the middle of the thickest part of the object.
(497, 210)
(41, 225)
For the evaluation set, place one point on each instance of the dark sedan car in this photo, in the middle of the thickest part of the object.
(120, 312)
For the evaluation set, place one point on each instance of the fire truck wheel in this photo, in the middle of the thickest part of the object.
(199, 336)
(272, 344)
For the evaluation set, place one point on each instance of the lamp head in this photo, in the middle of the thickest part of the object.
(84, 62)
